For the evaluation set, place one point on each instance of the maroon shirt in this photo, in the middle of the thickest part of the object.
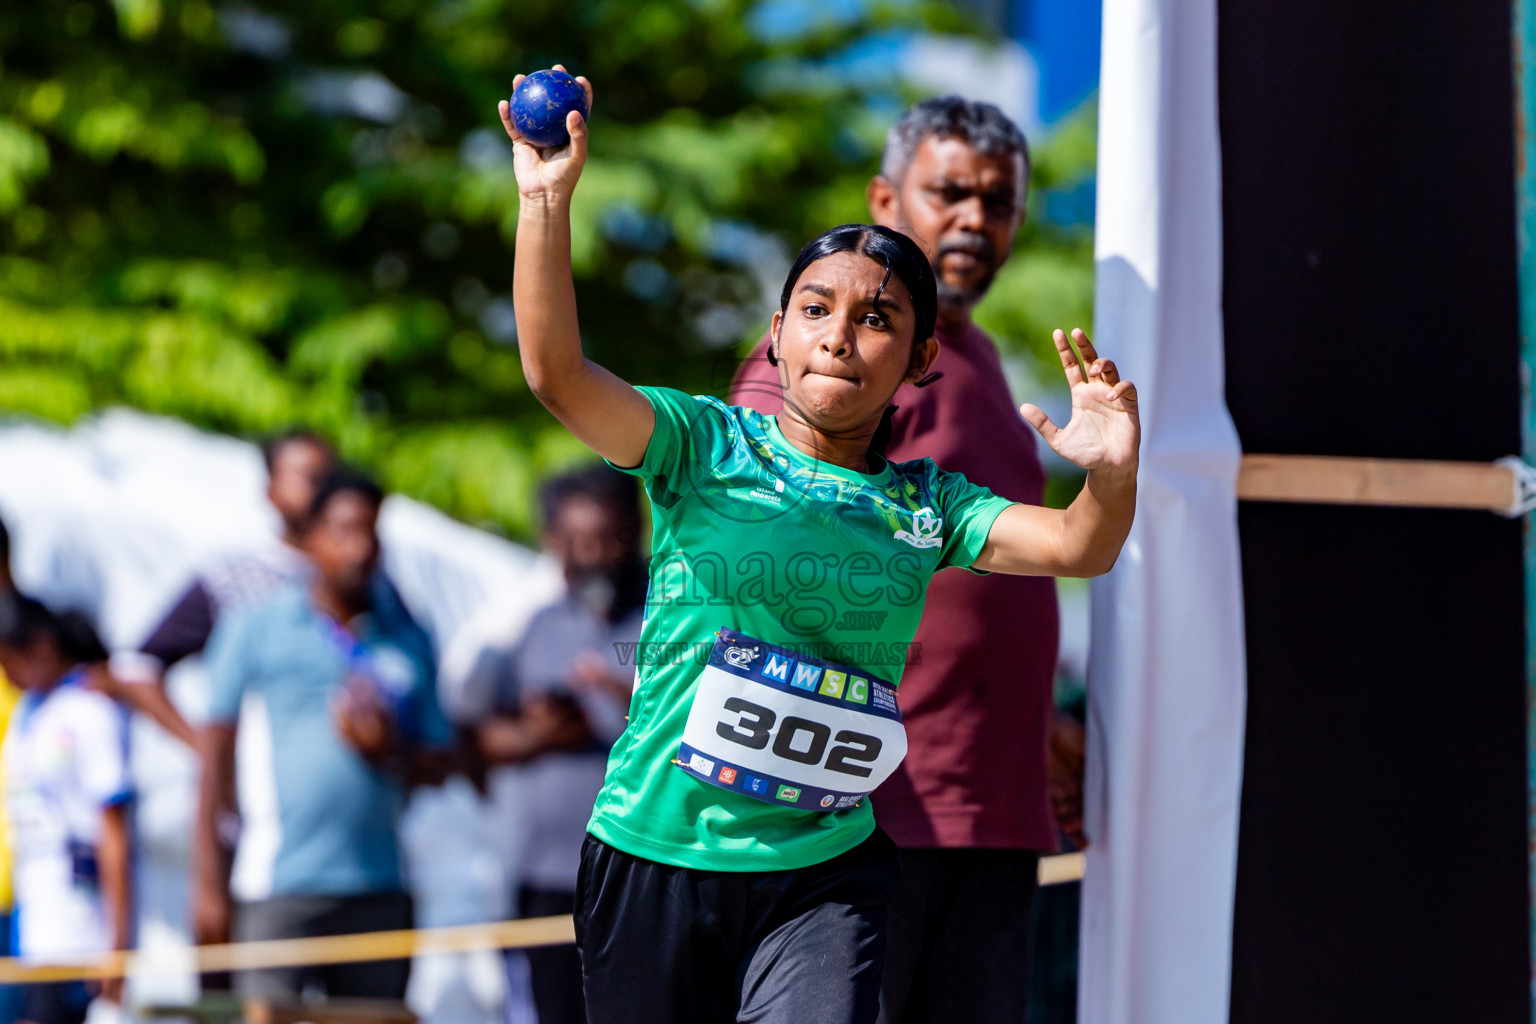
(978, 707)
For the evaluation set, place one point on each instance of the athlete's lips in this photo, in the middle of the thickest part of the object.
(833, 376)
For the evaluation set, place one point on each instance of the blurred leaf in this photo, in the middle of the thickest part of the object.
(23, 158)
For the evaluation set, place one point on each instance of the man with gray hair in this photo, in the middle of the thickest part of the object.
(969, 806)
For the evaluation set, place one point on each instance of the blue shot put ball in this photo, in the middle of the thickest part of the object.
(540, 104)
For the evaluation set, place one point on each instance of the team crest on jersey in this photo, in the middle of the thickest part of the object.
(926, 532)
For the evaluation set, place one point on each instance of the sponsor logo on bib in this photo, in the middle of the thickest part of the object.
(701, 764)
(806, 676)
(927, 530)
(789, 794)
(741, 657)
(728, 776)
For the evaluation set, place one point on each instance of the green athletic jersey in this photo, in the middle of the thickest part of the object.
(754, 535)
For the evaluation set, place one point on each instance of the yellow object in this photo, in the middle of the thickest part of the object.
(9, 695)
(363, 946)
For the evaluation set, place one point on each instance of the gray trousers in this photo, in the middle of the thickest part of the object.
(296, 917)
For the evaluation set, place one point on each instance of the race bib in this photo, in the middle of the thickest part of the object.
(788, 729)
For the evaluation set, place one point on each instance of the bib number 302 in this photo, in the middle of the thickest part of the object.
(774, 725)
(799, 739)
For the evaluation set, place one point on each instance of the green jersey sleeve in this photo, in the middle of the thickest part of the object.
(692, 435)
(969, 510)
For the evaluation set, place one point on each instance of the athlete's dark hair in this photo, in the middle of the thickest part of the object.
(23, 620)
(900, 256)
(272, 446)
(981, 126)
(5, 546)
(601, 484)
(344, 480)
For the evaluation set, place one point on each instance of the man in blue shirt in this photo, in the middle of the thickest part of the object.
(323, 709)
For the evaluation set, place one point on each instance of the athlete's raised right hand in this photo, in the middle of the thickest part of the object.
(548, 173)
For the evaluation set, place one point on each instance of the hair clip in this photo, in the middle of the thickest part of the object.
(927, 380)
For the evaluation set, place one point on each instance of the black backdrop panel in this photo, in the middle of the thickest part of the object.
(1368, 182)
(1371, 309)
(1381, 856)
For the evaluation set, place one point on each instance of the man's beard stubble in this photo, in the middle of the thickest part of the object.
(955, 299)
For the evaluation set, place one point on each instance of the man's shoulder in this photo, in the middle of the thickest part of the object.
(285, 605)
(235, 577)
(560, 623)
(562, 609)
(969, 371)
(970, 354)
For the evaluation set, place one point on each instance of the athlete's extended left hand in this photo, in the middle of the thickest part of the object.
(1105, 430)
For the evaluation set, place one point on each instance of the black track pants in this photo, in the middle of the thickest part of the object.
(670, 945)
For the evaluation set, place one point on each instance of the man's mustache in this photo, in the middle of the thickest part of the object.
(970, 245)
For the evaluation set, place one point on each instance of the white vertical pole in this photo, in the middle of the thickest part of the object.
(1166, 673)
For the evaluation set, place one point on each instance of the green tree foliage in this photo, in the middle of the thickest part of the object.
(253, 215)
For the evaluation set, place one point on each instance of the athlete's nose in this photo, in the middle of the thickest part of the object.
(839, 341)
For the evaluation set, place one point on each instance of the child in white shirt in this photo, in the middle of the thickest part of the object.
(66, 797)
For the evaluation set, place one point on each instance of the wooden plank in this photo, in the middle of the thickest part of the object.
(1400, 483)
(1061, 868)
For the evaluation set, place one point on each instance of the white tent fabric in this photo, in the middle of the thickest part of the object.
(115, 516)
(1167, 671)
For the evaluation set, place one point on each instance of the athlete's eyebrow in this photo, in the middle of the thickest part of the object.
(878, 299)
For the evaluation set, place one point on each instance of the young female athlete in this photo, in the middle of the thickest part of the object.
(733, 869)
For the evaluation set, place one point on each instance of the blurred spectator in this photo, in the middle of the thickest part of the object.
(969, 805)
(1053, 972)
(10, 995)
(66, 795)
(330, 688)
(560, 697)
(296, 462)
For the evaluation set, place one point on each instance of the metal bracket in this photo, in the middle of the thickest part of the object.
(1523, 498)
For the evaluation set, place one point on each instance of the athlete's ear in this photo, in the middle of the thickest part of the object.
(923, 355)
(773, 337)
